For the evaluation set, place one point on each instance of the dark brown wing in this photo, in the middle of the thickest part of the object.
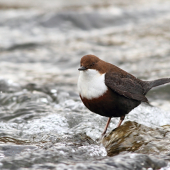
(127, 86)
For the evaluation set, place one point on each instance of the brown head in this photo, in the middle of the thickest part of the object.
(88, 62)
(93, 62)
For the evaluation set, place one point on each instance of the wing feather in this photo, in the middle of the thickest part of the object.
(127, 86)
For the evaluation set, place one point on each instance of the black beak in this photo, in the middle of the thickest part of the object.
(82, 68)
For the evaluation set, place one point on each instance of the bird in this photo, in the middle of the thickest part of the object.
(109, 91)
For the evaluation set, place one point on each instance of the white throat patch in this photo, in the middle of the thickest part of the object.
(91, 84)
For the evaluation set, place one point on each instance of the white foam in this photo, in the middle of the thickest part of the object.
(149, 116)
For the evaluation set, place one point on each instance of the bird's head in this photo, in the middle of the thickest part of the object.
(88, 62)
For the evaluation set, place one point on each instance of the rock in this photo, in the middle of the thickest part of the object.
(134, 137)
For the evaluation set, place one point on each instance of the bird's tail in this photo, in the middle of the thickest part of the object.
(150, 84)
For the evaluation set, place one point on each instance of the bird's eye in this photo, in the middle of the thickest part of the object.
(92, 64)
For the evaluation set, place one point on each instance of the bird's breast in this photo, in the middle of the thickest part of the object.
(91, 84)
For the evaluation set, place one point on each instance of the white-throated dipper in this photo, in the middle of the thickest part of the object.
(109, 91)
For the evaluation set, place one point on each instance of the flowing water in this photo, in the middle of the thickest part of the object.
(43, 123)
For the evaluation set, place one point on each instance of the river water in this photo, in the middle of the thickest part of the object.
(43, 123)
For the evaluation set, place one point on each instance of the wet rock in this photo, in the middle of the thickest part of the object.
(13, 140)
(80, 140)
(134, 137)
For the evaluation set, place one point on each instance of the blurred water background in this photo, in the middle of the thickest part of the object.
(43, 123)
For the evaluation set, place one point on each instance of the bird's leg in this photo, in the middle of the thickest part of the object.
(106, 126)
(121, 120)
